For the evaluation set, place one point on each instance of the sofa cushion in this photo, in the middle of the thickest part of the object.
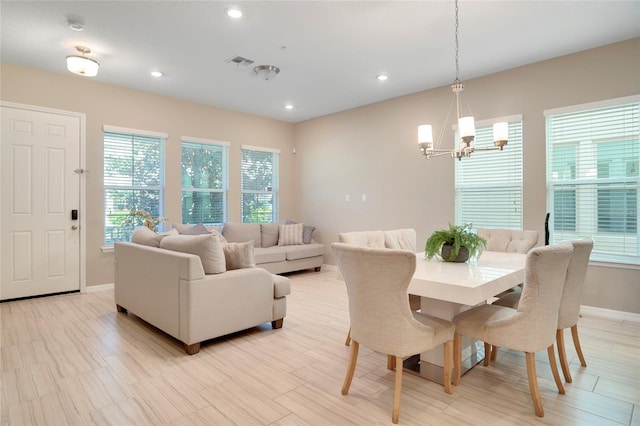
(207, 246)
(236, 232)
(239, 255)
(270, 254)
(307, 232)
(144, 235)
(281, 286)
(269, 234)
(290, 234)
(304, 251)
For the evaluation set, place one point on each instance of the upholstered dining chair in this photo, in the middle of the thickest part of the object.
(396, 239)
(569, 305)
(529, 328)
(377, 282)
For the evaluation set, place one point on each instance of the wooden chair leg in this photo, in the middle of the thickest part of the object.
(391, 362)
(562, 354)
(487, 354)
(494, 352)
(554, 369)
(576, 343)
(533, 383)
(397, 392)
(353, 359)
(348, 341)
(448, 358)
(457, 358)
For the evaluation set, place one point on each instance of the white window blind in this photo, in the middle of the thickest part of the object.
(133, 180)
(592, 176)
(489, 183)
(205, 181)
(260, 184)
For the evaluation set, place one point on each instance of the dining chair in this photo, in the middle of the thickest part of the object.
(569, 312)
(377, 282)
(529, 328)
(396, 239)
(508, 241)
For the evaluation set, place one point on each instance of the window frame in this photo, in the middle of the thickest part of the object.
(510, 185)
(225, 176)
(159, 187)
(623, 128)
(275, 183)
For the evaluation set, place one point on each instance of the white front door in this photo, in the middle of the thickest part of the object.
(39, 238)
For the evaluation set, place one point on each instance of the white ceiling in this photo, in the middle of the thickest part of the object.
(329, 52)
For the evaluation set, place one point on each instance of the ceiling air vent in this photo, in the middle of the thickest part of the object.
(239, 60)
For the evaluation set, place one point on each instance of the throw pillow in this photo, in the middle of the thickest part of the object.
(185, 229)
(269, 234)
(208, 247)
(144, 235)
(239, 255)
(216, 231)
(306, 234)
(289, 235)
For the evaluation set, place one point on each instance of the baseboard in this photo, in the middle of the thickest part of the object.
(101, 287)
(609, 313)
(326, 267)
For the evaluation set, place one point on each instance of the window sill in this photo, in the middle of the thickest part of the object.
(614, 264)
(107, 249)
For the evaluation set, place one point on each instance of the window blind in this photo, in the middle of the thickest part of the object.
(488, 184)
(260, 184)
(133, 180)
(205, 182)
(592, 177)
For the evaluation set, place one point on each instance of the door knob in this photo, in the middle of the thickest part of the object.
(74, 227)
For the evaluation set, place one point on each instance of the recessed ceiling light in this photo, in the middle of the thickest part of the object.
(288, 106)
(234, 13)
(156, 74)
(382, 77)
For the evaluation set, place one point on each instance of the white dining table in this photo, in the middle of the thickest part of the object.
(448, 288)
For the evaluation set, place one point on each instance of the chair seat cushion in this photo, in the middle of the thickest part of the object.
(510, 300)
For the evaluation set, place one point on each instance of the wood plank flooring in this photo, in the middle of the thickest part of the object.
(73, 360)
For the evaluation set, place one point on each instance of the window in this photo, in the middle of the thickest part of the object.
(259, 181)
(205, 181)
(133, 180)
(488, 184)
(592, 176)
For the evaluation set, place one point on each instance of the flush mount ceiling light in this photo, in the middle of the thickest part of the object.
(466, 126)
(266, 72)
(81, 65)
(156, 74)
(234, 13)
(382, 77)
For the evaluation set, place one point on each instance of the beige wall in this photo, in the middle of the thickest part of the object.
(373, 151)
(370, 150)
(117, 106)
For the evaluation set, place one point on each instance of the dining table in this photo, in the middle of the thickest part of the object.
(448, 288)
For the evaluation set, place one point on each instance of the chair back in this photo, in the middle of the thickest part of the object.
(545, 275)
(363, 238)
(576, 273)
(509, 240)
(377, 282)
(404, 239)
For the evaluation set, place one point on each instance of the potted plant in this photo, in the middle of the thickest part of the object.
(456, 244)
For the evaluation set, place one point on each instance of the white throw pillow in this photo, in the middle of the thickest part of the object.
(144, 235)
(207, 246)
(289, 235)
(239, 255)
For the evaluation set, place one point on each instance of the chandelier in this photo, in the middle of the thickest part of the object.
(466, 126)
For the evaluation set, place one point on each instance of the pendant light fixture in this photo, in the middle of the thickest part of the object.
(81, 64)
(466, 125)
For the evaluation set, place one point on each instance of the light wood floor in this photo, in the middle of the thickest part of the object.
(73, 360)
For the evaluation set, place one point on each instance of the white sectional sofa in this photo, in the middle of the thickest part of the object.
(170, 290)
(273, 252)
